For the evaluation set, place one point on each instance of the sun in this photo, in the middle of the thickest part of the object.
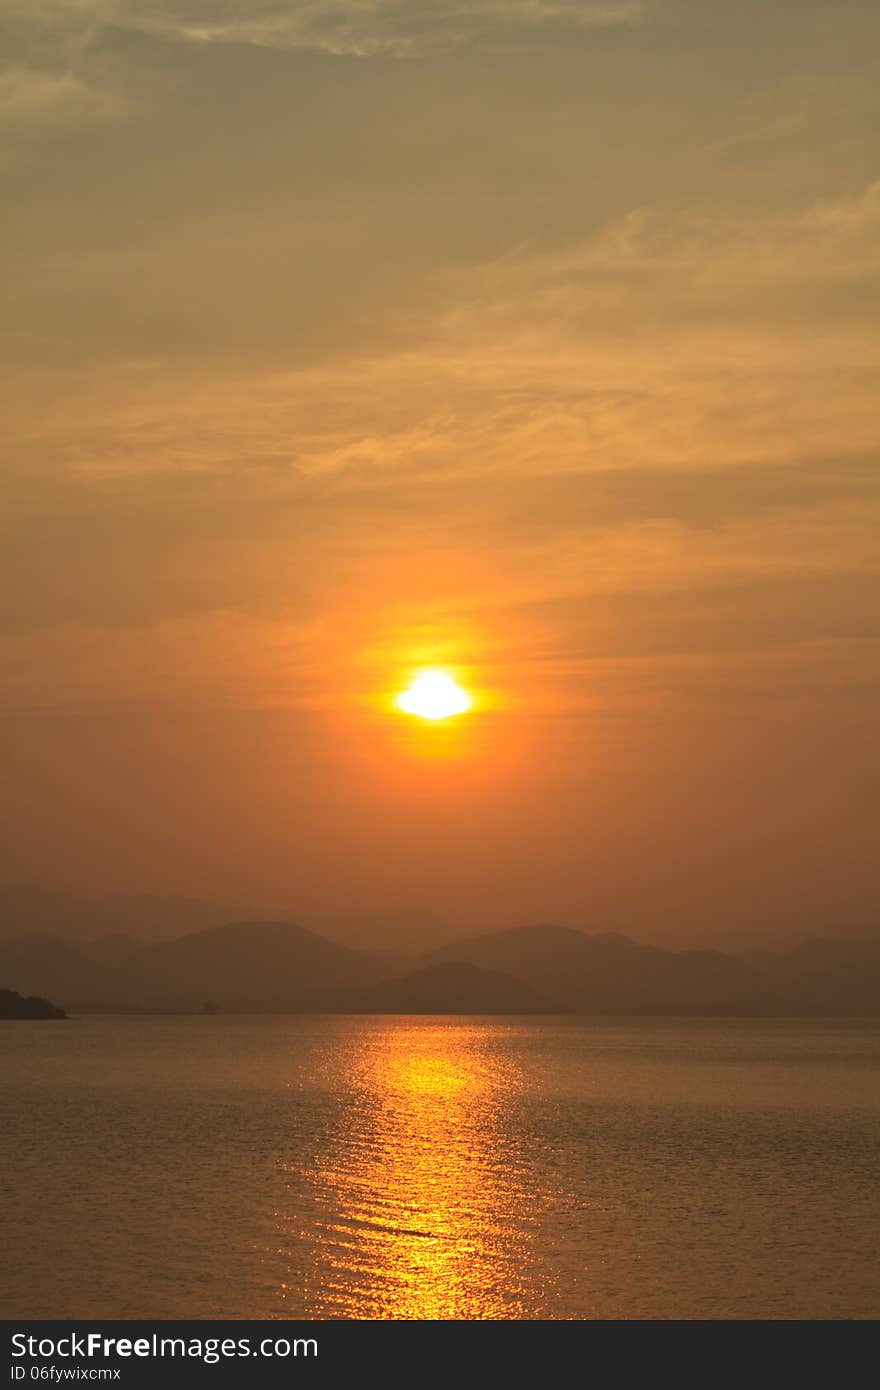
(434, 695)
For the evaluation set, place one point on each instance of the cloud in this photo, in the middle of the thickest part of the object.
(400, 30)
(358, 28)
(46, 100)
(686, 339)
(708, 263)
(216, 659)
(391, 345)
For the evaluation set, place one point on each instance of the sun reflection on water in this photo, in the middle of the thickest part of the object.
(417, 1209)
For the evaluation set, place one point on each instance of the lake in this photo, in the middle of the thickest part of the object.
(342, 1167)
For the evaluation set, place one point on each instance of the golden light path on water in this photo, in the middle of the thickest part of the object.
(420, 1212)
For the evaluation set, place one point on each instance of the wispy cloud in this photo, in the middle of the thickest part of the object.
(384, 373)
(361, 28)
(406, 29)
(45, 100)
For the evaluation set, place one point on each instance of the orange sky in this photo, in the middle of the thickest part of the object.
(533, 340)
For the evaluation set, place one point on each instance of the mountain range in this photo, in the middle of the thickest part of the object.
(257, 966)
(29, 908)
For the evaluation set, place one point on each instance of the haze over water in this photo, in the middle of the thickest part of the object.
(424, 1168)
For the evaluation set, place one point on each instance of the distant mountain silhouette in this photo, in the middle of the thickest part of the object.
(15, 1005)
(828, 975)
(71, 971)
(266, 966)
(113, 949)
(452, 988)
(259, 965)
(26, 908)
(610, 973)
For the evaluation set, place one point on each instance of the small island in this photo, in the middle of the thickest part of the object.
(14, 1005)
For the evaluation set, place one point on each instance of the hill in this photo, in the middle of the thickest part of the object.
(609, 973)
(828, 975)
(26, 909)
(244, 965)
(15, 1005)
(278, 966)
(452, 988)
(237, 966)
(72, 971)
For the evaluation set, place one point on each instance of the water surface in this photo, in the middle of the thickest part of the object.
(424, 1168)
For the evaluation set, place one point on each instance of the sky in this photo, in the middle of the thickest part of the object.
(535, 340)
